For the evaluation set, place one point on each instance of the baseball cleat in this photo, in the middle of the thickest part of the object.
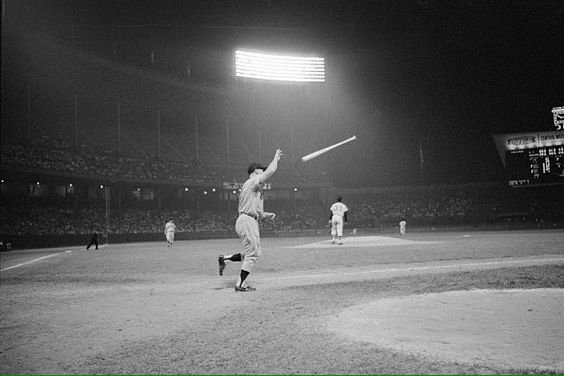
(221, 264)
(244, 289)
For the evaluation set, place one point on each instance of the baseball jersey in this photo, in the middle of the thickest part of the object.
(251, 200)
(170, 227)
(339, 209)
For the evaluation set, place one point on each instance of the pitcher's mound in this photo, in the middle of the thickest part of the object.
(520, 329)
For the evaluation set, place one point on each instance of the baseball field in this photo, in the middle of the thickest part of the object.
(452, 303)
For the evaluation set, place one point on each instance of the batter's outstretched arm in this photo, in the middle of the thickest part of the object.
(267, 215)
(272, 167)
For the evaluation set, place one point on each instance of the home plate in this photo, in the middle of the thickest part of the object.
(364, 241)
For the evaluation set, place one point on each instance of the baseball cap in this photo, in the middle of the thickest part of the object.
(254, 166)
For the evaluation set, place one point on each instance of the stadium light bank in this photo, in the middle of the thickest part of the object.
(279, 67)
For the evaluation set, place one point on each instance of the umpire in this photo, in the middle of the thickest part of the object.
(93, 241)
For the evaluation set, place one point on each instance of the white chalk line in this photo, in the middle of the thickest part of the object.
(44, 257)
(29, 262)
(356, 273)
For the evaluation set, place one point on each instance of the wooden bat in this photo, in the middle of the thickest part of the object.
(319, 152)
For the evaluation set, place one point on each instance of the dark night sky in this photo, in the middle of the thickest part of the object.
(446, 75)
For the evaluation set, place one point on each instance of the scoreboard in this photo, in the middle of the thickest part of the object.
(532, 158)
(535, 166)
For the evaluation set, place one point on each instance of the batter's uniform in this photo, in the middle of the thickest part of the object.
(402, 226)
(170, 229)
(338, 211)
(251, 203)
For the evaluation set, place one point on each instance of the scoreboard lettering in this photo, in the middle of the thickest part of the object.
(535, 166)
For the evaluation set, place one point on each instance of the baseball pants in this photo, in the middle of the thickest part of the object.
(170, 236)
(337, 225)
(248, 230)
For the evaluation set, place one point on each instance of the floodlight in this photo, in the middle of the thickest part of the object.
(279, 67)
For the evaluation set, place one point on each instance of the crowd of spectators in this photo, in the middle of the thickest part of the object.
(52, 155)
(58, 221)
(429, 209)
(423, 208)
(363, 213)
(431, 206)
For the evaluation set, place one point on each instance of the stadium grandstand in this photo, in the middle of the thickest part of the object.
(112, 131)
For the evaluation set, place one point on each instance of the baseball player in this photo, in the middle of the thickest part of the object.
(170, 229)
(250, 211)
(402, 225)
(337, 218)
(93, 241)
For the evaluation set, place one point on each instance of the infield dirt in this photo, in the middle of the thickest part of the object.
(142, 308)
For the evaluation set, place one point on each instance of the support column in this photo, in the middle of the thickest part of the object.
(196, 138)
(159, 134)
(119, 128)
(76, 123)
(259, 142)
(227, 136)
(28, 111)
(107, 200)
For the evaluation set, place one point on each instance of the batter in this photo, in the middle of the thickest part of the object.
(251, 203)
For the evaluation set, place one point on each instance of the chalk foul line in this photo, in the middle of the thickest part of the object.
(29, 262)
(524, 261)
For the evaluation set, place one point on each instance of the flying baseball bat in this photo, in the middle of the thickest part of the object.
(319, 152)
